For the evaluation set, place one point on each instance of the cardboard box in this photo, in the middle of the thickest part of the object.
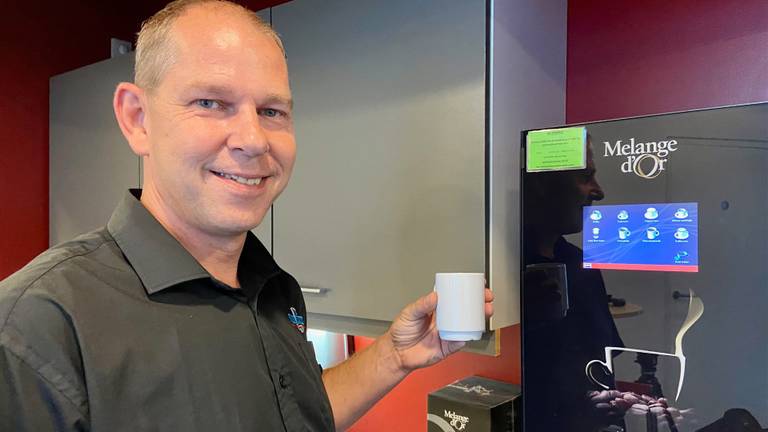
(474, 404)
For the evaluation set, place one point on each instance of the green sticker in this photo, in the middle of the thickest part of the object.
(556, 149)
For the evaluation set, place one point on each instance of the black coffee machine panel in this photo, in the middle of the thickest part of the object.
(645, 273)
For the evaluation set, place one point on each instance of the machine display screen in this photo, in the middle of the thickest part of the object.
(651, 237)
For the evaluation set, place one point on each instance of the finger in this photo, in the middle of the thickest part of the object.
(488, 303)
(488, 310)
(420, 308)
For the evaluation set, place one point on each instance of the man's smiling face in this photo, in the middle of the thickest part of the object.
(220, 135)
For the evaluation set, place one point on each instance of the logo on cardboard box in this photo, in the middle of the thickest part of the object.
(458, 422)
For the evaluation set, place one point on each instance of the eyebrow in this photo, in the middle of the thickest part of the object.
(273, 98)
(210, 89)
(225, 91)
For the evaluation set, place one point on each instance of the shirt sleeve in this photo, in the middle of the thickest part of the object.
(31, 403)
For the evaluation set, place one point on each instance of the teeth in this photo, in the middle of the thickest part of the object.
(241, 180)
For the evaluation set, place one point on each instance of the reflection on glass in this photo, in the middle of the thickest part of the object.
(695, 311)
(566, 318)
(680, 204)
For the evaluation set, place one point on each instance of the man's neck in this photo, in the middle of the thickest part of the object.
(218, 255)
(542, 242)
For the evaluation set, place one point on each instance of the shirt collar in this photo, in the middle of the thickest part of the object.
(161, 261)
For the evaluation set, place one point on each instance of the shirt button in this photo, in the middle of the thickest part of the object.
(282, 382)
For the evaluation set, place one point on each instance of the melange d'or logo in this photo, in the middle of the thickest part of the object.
(457, 421)
(645, 159)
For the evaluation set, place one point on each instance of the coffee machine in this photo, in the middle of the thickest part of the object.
(645, 272)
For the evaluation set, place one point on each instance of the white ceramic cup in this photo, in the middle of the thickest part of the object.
(460, 305)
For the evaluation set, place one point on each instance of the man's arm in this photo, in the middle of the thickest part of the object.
(410, 343)
(31, 403)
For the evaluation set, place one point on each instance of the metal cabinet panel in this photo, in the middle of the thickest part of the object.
(90, 165)
(527, 90)
(388, 186)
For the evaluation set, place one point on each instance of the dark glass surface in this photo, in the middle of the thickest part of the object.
(666, 329)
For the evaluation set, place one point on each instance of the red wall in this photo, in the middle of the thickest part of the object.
(39, 39)
(653, 56)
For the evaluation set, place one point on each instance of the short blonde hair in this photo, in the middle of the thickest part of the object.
(154, 44)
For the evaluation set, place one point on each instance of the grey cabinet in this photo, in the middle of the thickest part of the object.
(408, 116)
(388, 183)
(90, 163)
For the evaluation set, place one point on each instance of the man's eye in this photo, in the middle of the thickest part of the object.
(270, 112)
(208, 104)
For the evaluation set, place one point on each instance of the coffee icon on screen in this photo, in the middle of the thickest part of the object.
(651, 213)
(682, 234)
(595, 215)
(681, 213)
(624, 233)
(623, 215)
(652, 233)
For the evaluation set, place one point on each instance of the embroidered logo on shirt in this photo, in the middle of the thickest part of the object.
(296, 320)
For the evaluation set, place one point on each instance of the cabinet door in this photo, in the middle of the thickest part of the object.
(389, 182)
(91, 165)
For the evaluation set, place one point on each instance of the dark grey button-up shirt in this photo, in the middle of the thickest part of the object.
(121, 329)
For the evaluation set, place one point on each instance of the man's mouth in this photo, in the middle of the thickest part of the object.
(250, 181)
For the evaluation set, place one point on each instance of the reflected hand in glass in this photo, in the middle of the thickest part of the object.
(546, 291)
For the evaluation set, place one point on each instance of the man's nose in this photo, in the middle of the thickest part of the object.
(248, 135)
(596, 193)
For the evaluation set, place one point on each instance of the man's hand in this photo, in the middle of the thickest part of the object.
(414, 333)
(411, 342)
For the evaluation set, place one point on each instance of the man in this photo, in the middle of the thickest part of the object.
(174, 317)
(559, 346)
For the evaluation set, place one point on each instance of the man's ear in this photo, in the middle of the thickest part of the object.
(130, 105)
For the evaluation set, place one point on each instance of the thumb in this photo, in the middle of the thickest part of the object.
(421, 307)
